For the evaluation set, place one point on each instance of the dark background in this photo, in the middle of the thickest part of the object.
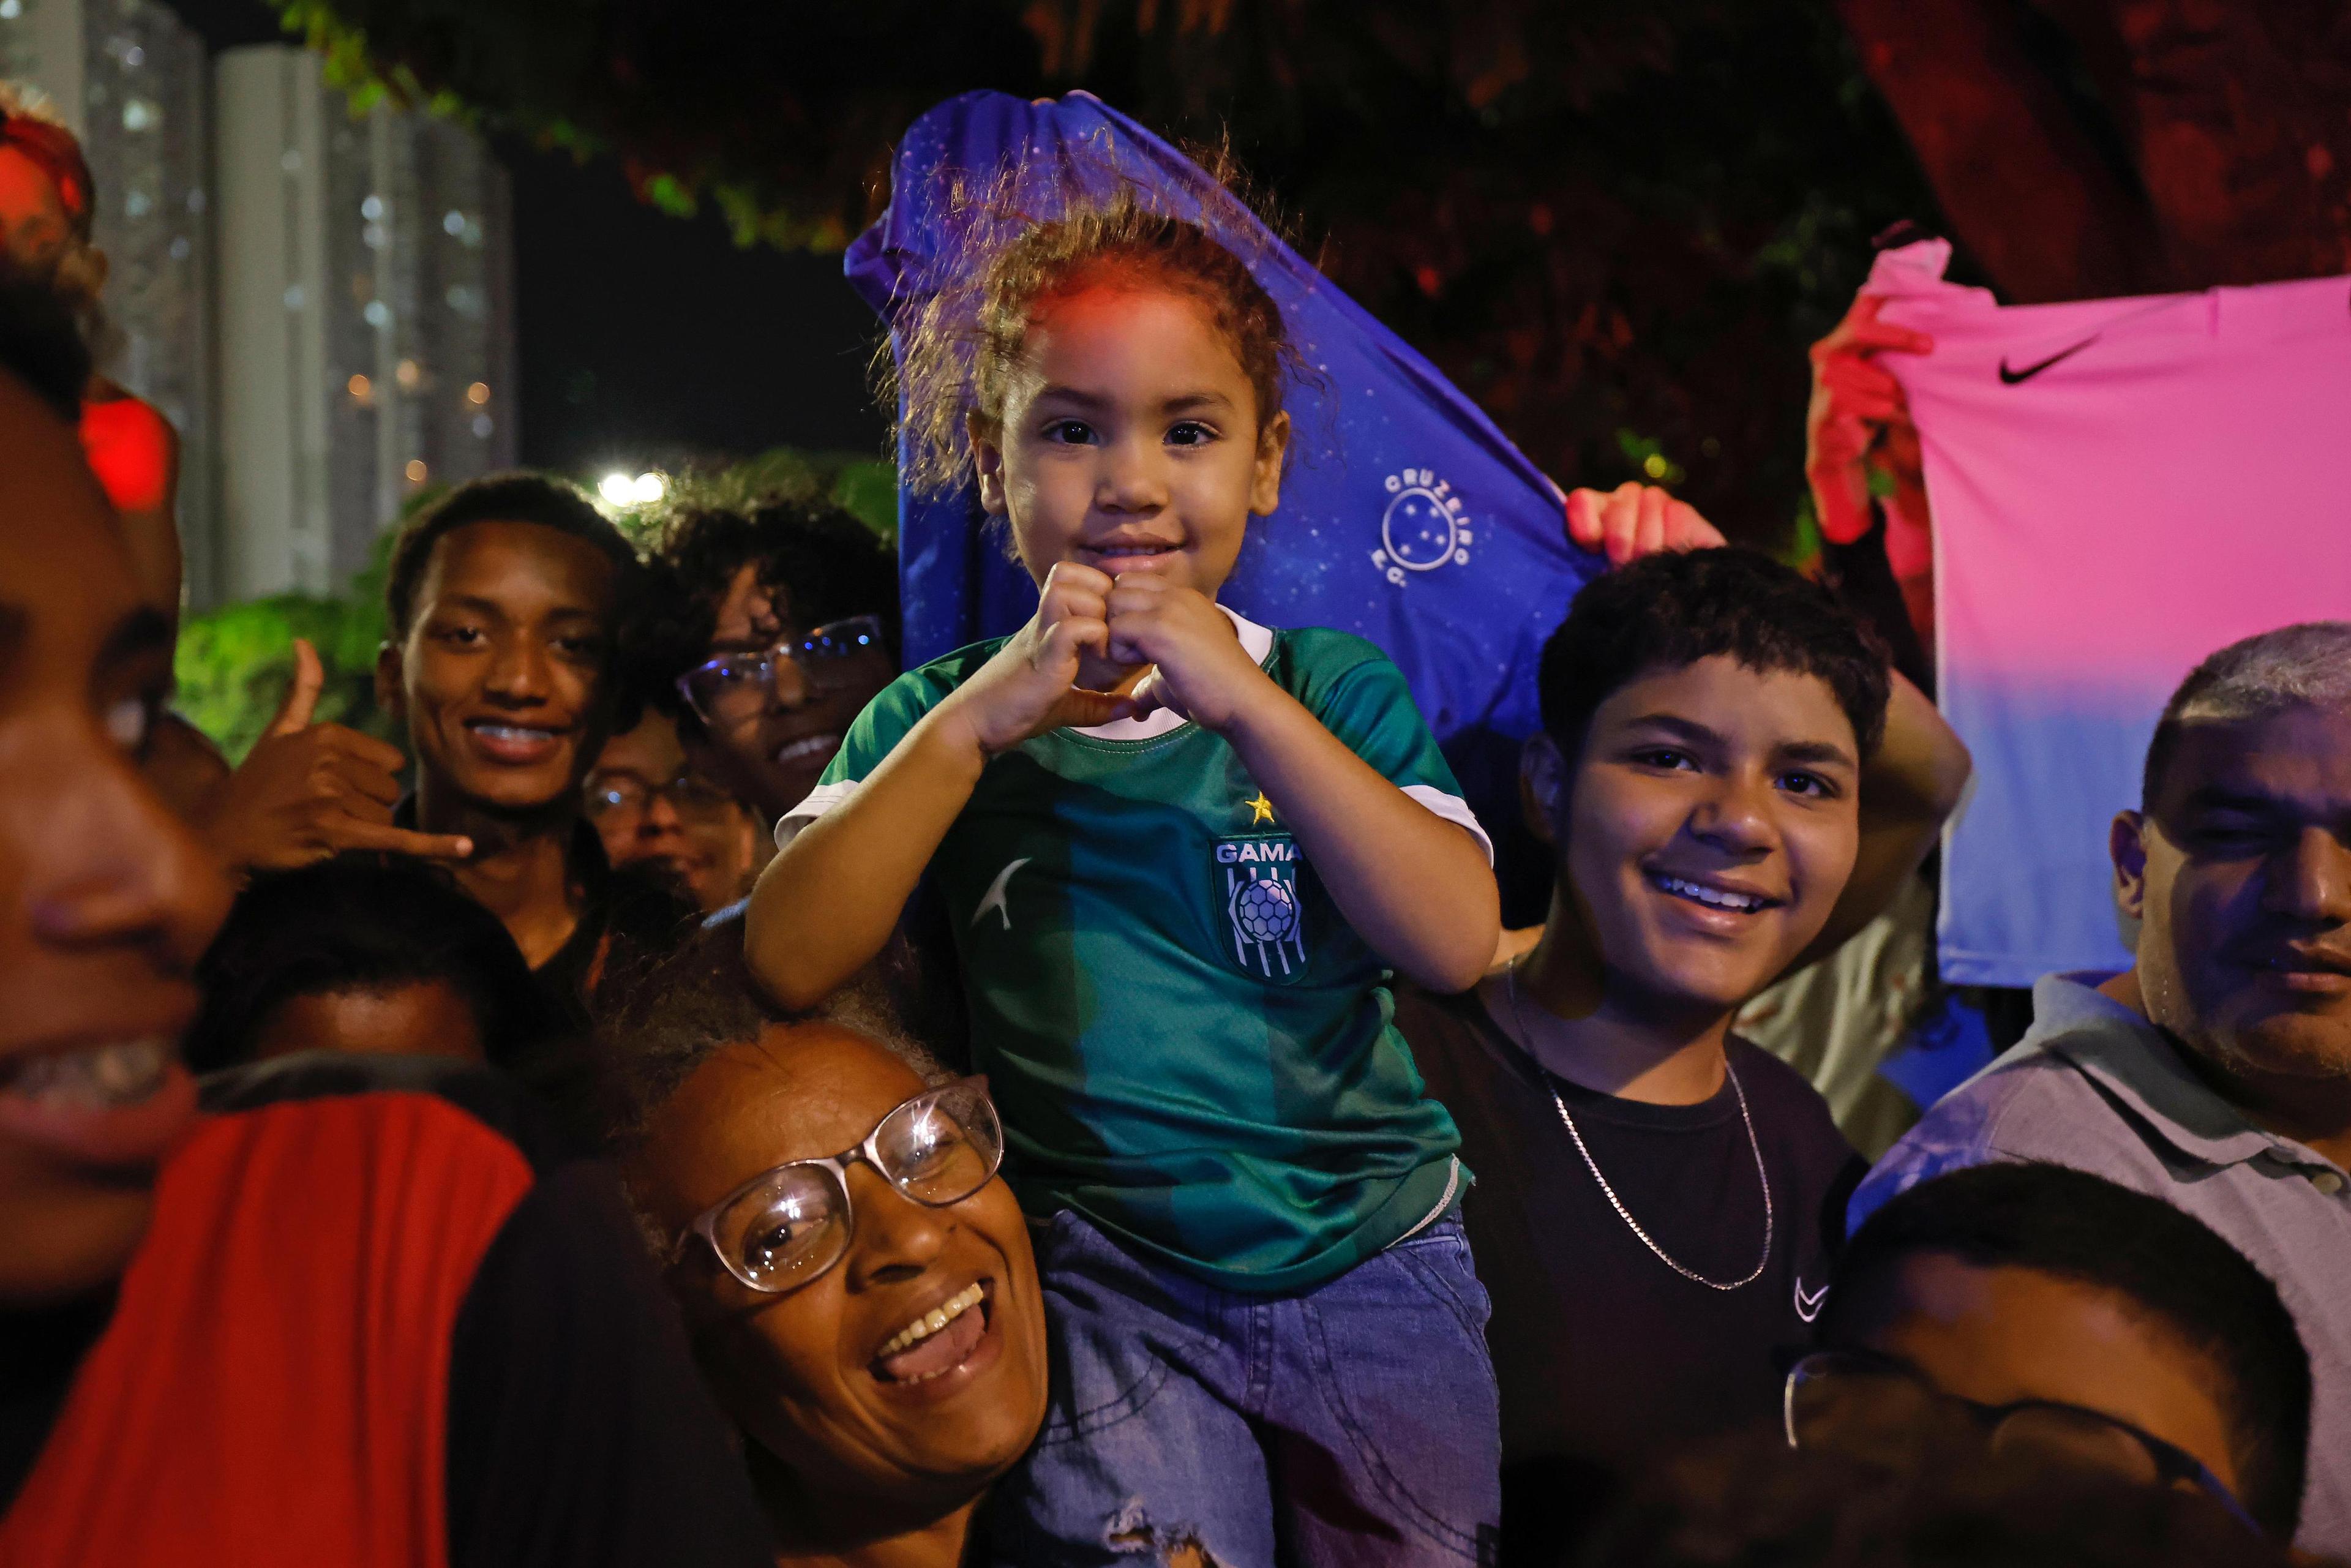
(1615, 225)
(644, 338)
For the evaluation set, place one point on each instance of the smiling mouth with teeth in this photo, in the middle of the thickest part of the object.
(1711, 897)
(936, 1343)
(104, 1076)
(807, 747)
(1131, 550)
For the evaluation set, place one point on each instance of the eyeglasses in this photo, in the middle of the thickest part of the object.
(695, 799)
(1843, 1399)
(784, 1227)
(734, 687)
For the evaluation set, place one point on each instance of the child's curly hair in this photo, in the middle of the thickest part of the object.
(957, 352)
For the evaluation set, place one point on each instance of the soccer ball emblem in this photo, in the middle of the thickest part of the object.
(1265, 910)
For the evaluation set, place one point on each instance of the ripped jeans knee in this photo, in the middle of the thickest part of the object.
(1130, 1530)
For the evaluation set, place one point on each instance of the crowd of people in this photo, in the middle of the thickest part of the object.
(709, 1096)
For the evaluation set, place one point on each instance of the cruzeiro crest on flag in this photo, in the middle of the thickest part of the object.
(1261, 901)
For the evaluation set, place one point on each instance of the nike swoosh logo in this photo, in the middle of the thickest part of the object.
(1808, 1302)
(2011, 378)
(995, 899)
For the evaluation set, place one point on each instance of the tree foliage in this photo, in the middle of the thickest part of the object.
(1616, 222)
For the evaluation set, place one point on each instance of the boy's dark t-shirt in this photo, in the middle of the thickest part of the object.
(1606, 1357)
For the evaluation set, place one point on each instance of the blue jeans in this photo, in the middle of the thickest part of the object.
(1357, 1424)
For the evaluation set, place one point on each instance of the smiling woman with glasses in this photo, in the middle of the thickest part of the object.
(856, 1275)
(785, 1226)
(2071, 1321)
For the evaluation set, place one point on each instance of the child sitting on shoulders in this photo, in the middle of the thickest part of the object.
(1181, 854)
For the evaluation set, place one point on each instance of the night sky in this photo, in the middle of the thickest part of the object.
(647, 339)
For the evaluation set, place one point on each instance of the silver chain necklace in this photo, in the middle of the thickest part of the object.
(1510, 980)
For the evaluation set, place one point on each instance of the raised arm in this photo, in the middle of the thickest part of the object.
(1908, 787)
(828, 902)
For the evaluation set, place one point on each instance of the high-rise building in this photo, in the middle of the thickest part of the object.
(366, 337)
(321, 302)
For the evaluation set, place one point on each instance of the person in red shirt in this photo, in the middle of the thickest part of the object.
(355, 1311)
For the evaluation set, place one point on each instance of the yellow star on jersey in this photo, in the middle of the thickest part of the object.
(1262, 807)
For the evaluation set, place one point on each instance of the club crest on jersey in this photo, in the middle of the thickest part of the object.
(1423, 528)
(1261, 901)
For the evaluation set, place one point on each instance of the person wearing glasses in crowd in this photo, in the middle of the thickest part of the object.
(652, 809)
(2073, 1322)
(773, 625)
(855, 1274)
(2215, 1072)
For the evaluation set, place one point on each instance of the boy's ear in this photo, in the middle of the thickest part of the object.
(987, 461)
(2127, 844)
(1265, 483)
(1542, 787)
(390, 694)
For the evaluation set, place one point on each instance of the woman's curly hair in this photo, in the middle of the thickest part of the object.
(956, 353)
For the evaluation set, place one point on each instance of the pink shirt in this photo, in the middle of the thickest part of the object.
(2119, 488)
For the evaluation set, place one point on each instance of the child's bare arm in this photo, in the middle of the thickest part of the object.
(1912, 782)
(1415, 886)
(827, 903)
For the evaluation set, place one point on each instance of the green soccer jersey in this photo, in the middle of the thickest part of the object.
(1189, 1044)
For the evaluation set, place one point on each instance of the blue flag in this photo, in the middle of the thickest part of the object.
(1406, 517)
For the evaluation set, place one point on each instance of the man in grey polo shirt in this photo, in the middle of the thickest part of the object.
(2216, 1072)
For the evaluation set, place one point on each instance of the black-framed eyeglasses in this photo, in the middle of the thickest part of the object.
(1844, 1398)
(784, 1227)
(693, 798)
(734, 687)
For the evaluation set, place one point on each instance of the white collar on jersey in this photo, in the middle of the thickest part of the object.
(1256, 640)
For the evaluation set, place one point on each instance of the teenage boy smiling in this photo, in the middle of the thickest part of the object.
(502, 606)
(1655, 1198)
